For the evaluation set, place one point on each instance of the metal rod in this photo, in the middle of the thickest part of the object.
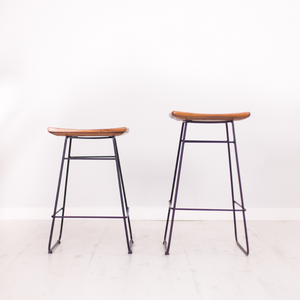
(209, 209)
(58, 211)
(241, 193)
(173, 184)
(65, 191)
(57, 196)
(206, 122)
(231, 182)
(123, 190)
(121, 195)
(55, 245)
(176, 188)
(239, 204)
(208, 141)
(90, 158)
(92, 137)
(92, 217)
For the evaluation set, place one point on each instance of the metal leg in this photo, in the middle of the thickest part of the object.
(56, 200)
(175, 185)
(241, 196)
(123, 190)
(174, 179)
(231, 181)
(65, 191)
(123, 198)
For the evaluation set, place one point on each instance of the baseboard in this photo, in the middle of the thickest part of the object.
(153, 213)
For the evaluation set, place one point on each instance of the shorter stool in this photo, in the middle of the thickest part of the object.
(69, 135)
(195, 118)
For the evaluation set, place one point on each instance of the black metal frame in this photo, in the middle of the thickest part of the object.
(125, 208)
(176, 179)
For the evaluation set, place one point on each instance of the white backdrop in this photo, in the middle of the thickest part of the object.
(97, 64)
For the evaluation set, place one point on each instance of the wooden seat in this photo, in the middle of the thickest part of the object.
(186, 116)
(88, 132)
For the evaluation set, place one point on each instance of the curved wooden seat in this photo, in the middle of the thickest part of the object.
(186, 116)
(88, 132)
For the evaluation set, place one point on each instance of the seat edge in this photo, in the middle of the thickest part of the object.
(187, 116)
(88, 132)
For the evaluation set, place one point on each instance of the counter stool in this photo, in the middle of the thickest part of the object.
(69, 135)
(195, 118)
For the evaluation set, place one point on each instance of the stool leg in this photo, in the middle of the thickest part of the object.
(175, 186)
(65, 191)
(124, 194)
(123, 198)
(240, 189)
(50, 249)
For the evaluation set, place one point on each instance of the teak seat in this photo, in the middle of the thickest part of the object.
(88, 132)
(199, 118)
(186, 116)
(91, 134)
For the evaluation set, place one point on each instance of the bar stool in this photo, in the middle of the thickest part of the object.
(196, 118)
(69, 135)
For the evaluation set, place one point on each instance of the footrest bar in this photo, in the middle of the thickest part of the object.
(91, 217)
(206, 141)
(206, 209)
(90, 158)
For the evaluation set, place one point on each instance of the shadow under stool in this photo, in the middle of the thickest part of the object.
(196, 118)
(88, 134)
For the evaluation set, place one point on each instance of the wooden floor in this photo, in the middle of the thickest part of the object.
(204, 261)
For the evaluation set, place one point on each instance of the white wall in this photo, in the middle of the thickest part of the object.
(97, 64)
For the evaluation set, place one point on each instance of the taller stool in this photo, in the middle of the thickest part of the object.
(195, 118)
(69, 135)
